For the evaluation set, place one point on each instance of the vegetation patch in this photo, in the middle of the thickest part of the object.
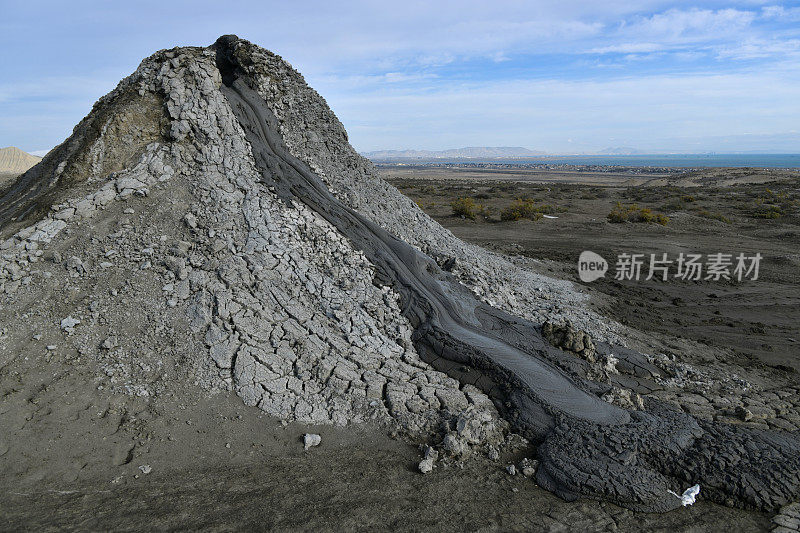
(673, 205)
(773, 205)
(714, 216)
(634, 213)
(466, 207)
(520, 209)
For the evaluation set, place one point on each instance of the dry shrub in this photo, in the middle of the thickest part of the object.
(714, 216)
(465, 207)
(634, 213)
(520, 209)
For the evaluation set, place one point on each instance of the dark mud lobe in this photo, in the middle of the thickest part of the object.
(587, 447)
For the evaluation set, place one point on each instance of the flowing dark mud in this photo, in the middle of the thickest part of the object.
(586, 446)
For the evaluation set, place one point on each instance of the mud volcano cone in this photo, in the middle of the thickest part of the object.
(208, 225)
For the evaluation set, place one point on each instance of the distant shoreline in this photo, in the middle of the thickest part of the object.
(660, 161)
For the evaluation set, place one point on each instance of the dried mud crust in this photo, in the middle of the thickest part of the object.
(199, 266)
(667, 444)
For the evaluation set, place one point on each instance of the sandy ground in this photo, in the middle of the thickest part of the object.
(72, 458)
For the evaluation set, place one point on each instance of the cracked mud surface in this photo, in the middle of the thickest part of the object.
(590, 447)
(145, 277)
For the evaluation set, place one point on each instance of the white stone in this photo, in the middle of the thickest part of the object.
(311, 440)
(69, 323)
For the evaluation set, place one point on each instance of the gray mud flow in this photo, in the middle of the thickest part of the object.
(449, 322)
(587, 447)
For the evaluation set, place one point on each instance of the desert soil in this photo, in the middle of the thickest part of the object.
(757, 320)
(73, 457)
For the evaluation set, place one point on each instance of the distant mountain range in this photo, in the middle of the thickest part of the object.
(622, 150)
(15, 161)
(472, 152)
(517, 152)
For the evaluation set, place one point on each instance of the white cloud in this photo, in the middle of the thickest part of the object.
(781, 14)
(387, 68)
(676, 25)
(628, 48)
(677, 30)
(544, 114)
(692, 34)
(760, 48)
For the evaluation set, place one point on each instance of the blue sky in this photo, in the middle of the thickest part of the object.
(559, 76)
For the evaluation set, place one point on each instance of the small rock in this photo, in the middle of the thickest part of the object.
(69, 323)
(430, 453)
(455, 445)
(426, 465)
(109, 344)
(744, 413)
(190, 220)
(567, 337)
(512, 470)
(310, 440)
(528, 467)
(129, 211)
(182, 290)
(51, 347)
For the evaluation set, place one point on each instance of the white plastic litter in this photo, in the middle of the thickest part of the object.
(689, 495)
(549, 216)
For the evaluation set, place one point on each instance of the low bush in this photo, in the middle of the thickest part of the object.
(714, 216)
(464, 207)
(634, 213)
(773, 205)
(520, 209)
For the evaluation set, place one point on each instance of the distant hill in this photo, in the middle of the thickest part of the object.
(14, 161)
(472, 152)
(621, 150)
